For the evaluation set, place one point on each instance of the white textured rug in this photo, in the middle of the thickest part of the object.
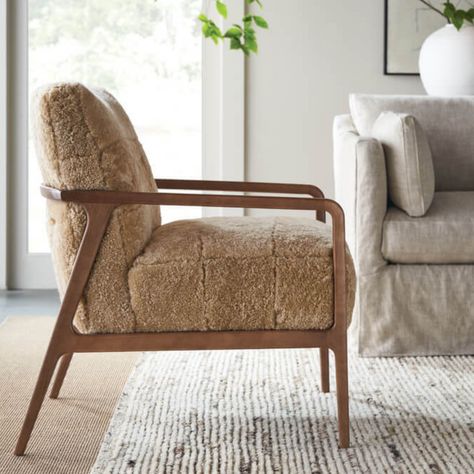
(262, 411)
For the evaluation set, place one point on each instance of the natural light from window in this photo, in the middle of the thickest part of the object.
(148, 54)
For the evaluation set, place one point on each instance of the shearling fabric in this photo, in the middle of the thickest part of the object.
(239, 273)
(86, 141)
(207, 274)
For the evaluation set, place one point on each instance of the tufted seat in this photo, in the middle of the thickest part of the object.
(241, 273)
(214, 273)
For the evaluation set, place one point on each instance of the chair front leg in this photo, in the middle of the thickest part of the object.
(98, 216)
(342, 386)
(49, 364)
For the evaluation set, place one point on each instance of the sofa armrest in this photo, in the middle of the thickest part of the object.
(361, 189)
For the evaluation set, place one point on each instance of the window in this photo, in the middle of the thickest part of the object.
(148, 54)
(178, 90)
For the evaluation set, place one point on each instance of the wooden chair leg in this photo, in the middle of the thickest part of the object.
(324, 358)
(44, 378)
(342, 385)
(59, 379)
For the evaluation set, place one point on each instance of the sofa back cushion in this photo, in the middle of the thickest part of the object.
(410, 175)
(86, 141)
(447, 122)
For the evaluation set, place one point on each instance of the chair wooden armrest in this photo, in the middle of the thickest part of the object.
(243, 186)
(100, 204)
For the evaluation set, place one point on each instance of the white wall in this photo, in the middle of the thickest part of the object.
(314, 55)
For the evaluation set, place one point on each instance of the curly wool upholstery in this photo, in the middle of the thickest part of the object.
(239, 273)
(206, 274)
(85, 141)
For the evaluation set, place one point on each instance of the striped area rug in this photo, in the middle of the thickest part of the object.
(262, 412)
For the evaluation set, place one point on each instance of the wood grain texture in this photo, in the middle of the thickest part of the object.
(99, 206)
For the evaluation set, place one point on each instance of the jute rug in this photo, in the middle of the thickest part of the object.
(262, 412)
(69, 430)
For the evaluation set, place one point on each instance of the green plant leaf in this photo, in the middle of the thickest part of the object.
(233, 32)
(205, 30)
(211, 30)
(221, 8)
(235, 43)
(458, 19)
(249, 33)
(251, 44)
(449, 9)
(241, 36)
(261, 22)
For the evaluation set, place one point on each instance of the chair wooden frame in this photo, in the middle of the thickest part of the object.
(99, 205)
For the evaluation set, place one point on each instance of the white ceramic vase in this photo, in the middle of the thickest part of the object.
(447, 62)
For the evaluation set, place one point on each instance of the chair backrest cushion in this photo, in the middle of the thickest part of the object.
(447, 122)
(84, 140)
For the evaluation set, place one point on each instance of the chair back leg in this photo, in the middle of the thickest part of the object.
(60, 375)
(324, 359)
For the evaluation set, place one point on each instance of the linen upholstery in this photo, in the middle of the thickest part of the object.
(444, 235)
(405, 309)
(447, 122)
(408, 160)
(419, 310)
(86, 141)
(238, 273)
(361, 189)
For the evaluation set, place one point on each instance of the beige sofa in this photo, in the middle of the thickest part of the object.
(415, 274)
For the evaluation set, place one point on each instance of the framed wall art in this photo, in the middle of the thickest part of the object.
(407, 24)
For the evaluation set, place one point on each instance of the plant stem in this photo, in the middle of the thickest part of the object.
(428, 4)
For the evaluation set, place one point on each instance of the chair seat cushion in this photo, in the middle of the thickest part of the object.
(443, 235)
(243, 273)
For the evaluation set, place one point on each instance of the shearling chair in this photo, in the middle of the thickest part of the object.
(128, 283)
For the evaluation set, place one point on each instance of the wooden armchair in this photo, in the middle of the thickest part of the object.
(254, 282)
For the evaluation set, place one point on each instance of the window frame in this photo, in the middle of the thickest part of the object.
(3, 145)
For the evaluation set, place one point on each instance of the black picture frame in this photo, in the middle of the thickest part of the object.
(386, 45)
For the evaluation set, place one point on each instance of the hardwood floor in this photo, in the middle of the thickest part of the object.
(28, 303)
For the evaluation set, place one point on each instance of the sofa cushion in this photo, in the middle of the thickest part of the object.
(242, 273)
(86, 141)
(443, 235)
(449, 126)
(410, 175)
